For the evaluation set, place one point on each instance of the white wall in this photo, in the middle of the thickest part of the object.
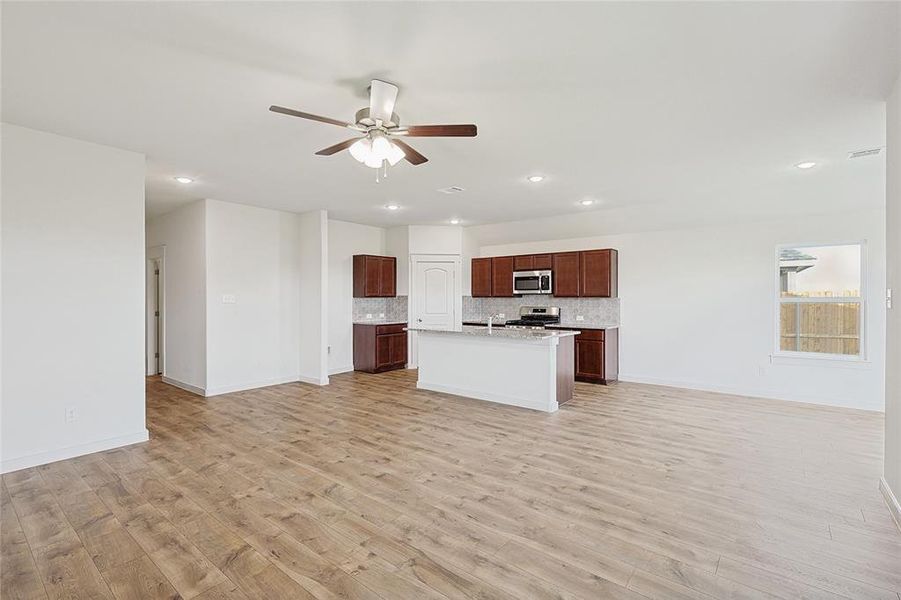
(345, 240)
(893, 268)
(397, 244)
(313, 229)
(698, 307)
(73, 297)
(183, 234)
(436, 239)
(253, 256)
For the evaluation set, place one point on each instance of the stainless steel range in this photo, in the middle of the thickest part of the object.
(535, 317)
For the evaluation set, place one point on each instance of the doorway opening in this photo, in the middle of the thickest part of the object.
(155, 303)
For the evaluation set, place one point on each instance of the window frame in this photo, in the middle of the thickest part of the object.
(862, 300)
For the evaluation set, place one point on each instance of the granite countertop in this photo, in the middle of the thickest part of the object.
(380, 322)
(510, 334)
(583, 325)
(562, 325)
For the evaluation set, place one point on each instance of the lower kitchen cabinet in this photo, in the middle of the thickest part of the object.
(380, 348)
(597, 355)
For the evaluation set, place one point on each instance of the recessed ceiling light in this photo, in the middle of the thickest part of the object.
(536, 178)
(184, 180)
(586, 202)
(455, 221)
(806, 165)
(392, 206)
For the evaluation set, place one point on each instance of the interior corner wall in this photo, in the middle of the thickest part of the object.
(253, 258)
(893, 281)
(397, 244)
(698, 306)
(183, 234)
(344, 240)
(73, 297)
(313, 360)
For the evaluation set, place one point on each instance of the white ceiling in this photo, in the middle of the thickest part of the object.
(706, 104)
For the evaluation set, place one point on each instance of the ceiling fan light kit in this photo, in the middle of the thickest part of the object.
(380, 126)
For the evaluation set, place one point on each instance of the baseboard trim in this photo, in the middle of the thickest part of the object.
(894, 507)
(738, 391)
(313, 380)
(185, 386)
(467, 393)
(241, 387)
(339, 370)
(42, 458)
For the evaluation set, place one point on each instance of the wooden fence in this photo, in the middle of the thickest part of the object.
(832, 328)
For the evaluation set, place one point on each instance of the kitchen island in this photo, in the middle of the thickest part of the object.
(521, 367)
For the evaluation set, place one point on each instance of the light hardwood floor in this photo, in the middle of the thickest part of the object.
(369, 488)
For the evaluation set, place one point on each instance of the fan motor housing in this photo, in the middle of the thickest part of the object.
(362, 118)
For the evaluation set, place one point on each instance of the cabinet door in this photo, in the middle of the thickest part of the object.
(597, 273)
(481, 277)
(566, 274)
(383, 351)
(372, 275)
(387, 276)
(524, 263)
(543, 261)
(589, 359)
(397, 348)
(502, 276)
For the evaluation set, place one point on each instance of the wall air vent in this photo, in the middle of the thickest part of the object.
(454, 189)
(862, 153)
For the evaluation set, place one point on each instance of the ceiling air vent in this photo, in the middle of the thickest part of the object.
(861, 153)
(454, 189)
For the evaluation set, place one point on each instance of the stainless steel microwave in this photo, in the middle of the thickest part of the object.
(532, 282)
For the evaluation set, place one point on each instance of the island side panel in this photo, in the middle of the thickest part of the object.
(566, 369)
(508, 371)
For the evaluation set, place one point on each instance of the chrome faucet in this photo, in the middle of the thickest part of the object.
(491, 320)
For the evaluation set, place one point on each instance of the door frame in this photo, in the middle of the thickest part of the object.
(156, 255)
(415, 259)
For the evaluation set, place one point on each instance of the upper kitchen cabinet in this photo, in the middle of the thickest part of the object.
(481, 278)
(502, 276)
(597, 273)
(567, 275)
(533, 262)
(375, 276)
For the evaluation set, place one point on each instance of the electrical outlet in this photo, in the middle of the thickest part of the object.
(580, 317)
(381, 315)
(71, 415)
(368, 315)
(501, 316)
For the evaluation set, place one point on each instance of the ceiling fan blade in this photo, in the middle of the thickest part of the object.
(338, 147)
(303, 115)
(438, 131)
(382, 96)
(413, 157)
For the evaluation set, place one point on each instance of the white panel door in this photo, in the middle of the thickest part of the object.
(433, 294)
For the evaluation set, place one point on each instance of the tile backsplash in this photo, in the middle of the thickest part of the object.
(594, 310)
(394, 309)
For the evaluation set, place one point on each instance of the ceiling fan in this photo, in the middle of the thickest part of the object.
(379, 145)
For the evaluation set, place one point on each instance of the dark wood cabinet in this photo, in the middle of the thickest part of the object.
(597, 273)
(597, 355)
(502, 276)
(586, 273)
(481, 277)
(374, 276)
(566, 274)
(379, 348)
(532, 262)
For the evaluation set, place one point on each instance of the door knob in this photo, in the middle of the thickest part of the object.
(419, 320)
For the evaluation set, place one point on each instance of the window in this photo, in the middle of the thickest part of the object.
(820, 306)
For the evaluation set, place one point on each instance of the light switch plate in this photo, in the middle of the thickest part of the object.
(229, 299)
(580, 318)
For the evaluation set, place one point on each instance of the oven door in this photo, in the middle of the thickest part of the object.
(532, 282)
